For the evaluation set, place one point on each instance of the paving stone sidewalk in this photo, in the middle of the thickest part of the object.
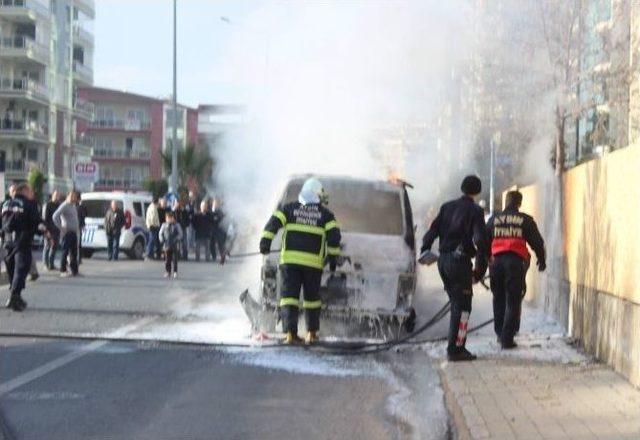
(539, 392)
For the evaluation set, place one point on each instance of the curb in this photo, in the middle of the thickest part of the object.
(457, 423)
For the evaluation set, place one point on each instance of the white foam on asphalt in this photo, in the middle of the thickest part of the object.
(298, 361)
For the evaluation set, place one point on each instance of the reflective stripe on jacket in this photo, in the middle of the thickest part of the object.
(310, 234)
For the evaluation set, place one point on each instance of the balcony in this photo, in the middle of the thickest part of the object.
(83, 74)
(21, 130)
(121, 124)
(21, 167)
(87, 7)
(82, 36)
(119, 183)
(121, 154)
(22, 47)
(83, 144)
(23, 9)
(84, 110)
(14, 88)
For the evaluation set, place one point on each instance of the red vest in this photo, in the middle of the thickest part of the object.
(508, 235)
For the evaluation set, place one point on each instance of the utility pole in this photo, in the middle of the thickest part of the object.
(173, 187)
(492, 178)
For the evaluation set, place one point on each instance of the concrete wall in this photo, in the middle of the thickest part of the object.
(593, 284)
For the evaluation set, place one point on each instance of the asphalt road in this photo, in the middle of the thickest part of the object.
(58, 388)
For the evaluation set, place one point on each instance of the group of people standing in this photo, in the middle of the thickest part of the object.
(61, 225)
(174, 231)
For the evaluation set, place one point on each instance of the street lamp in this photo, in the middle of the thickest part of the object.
(174, 142)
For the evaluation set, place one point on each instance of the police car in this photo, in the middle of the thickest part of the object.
(133, 238)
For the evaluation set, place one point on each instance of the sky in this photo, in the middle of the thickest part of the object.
(134, 47)
(229, 63)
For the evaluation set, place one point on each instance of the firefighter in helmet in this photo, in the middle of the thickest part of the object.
(311, 239)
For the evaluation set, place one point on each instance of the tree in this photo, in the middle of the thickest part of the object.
(195, 167)
(157, 187)
(36, 180)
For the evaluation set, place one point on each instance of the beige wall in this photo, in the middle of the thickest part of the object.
(598, 260)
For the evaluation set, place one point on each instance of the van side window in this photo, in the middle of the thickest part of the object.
(137, 208)
(146, 206)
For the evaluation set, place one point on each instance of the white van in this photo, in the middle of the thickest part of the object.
(133, 239)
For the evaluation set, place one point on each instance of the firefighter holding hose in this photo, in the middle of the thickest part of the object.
(461, 230)
(311, 239)
(509, 233)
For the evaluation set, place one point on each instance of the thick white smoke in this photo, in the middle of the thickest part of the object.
(323, 78)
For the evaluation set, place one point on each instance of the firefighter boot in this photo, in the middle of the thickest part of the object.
(292, 339)
(311, 338)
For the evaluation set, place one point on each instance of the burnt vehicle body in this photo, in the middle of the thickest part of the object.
(371, 292)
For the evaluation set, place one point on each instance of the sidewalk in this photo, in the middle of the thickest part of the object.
(544, 389)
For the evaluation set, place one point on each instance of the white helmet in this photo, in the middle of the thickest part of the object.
(312, 192)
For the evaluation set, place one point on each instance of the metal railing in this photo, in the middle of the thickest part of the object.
(16, 85)
(24, 166)
(83, 71)
(26, 4)
(87, 6)
(29, 128)
(122, 124)
(120, 153)
(86, 107)
(84, 141)
(120, 183)
(23, 45)
(82, 33)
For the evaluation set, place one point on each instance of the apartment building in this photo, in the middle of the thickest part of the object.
(46, 53)
(129, 134)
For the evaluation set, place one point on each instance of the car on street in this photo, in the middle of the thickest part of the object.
(134, 234)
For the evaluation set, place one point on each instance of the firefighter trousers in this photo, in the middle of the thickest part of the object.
(507, 285)
(292, 279)
(457, 276)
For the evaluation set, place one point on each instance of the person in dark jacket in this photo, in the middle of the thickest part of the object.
(203, 229)
(462, 235)
(162, 210)
(183, 217)
(509, 234)
(218, 234)
(20, 221)
(114, 221)
(52, 236)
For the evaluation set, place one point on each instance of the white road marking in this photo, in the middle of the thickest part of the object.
(81, 351)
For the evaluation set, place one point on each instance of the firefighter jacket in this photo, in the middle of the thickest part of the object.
(310, 234)
(511, 231)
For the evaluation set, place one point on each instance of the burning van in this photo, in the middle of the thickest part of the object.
(372, 290)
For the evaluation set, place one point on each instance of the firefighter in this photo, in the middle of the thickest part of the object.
(462, 236)
(509, 233)
(311, 238)
(20, 221)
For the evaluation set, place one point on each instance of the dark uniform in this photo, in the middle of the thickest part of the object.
(218, 236)
(311, 234)
(461, 229)
(20, 220)
(509, 233)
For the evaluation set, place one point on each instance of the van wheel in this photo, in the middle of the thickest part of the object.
(137, 250)
(87, 253)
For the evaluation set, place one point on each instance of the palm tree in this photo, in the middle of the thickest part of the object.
(195, 167)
